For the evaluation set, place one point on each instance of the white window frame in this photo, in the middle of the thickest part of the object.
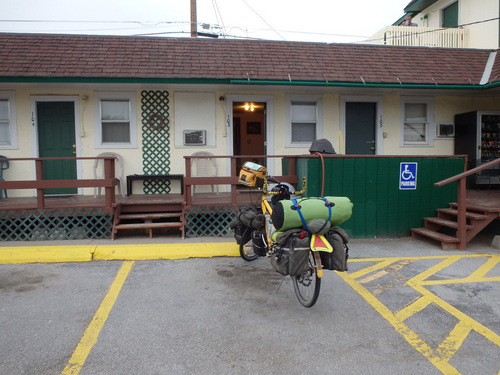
(10, 96)
(430, 127)
(132, 99)
(319, 118)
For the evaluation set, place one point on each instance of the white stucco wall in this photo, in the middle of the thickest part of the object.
(445, 109)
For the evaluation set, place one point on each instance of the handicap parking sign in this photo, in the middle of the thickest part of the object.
(408, 176)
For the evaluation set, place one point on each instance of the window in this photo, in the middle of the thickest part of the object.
(304, 121)
(8, 134)
(116, 122)
(417, 115)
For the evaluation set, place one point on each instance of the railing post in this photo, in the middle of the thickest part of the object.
(234, 202)
(462, 212)
(188, 197)
(109, 173)
(40, 199)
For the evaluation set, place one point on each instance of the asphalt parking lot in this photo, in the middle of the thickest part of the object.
(404, 306)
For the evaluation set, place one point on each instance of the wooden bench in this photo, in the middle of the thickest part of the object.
(158, 177)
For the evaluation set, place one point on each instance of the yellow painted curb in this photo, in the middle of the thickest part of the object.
(45, 254)
(165, 251)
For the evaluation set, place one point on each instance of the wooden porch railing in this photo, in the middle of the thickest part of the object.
(232, 180)
(39, 183)
(461, 197)
(109, 181)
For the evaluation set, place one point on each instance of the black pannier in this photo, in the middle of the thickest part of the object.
(247, 217)
(291, 256)
(337, 259)
(251, 218)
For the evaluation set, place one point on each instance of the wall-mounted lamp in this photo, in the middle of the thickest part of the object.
(221, 98)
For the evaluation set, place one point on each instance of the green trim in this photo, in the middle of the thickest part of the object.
(419, 5)
(361, 84)
(228, 81)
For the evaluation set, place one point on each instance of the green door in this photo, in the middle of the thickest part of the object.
(360, 121)
(56, 138)
(450, 15)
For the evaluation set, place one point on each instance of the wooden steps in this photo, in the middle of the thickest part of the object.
(444, 227)
(148, 216)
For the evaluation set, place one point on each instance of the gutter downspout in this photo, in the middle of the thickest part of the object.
(488, 68)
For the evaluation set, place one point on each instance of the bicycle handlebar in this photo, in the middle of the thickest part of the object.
(270, 178)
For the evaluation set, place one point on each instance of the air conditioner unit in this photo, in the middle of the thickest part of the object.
(195, 137)
(445, 130)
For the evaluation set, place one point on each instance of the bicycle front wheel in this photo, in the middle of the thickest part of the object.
(307, 285)
(246, 246)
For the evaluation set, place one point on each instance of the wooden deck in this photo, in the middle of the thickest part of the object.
(489, 198)
(88, 201)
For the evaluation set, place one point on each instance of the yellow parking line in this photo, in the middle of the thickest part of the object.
(413, 308)
(454, 341)
(485, 268)
(382, 263)
(440, 356)
(89, 338)
(386, 271)
(411, 337)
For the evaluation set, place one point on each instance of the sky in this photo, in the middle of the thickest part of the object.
(330, 21)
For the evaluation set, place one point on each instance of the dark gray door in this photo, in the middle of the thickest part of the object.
(360, 128)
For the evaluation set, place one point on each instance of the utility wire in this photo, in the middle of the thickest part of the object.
(433, 30)
(258, 15)
(218, 15)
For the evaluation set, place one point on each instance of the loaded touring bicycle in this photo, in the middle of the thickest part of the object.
(298, 234)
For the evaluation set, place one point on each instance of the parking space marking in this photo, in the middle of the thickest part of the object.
(91, 334)
(443, 353)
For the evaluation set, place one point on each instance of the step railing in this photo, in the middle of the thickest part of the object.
(461, 198)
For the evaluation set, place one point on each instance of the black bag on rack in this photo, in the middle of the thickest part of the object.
(292, 253)
(337, 259)
(248, 217)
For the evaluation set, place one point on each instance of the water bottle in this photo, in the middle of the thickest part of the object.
(269, 225)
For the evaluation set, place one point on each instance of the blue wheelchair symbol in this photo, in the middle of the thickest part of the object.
(408, 176)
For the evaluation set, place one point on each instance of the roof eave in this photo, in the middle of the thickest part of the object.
(252, 82)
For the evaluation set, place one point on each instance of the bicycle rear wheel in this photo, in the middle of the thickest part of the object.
(246, 246)
(307, 285)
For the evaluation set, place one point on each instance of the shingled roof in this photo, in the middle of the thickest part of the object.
(33, 57)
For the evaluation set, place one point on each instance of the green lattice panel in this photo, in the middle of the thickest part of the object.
(58, 224)
(209, 221)
(155, 139)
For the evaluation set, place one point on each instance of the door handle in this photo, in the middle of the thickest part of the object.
(370, 141)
